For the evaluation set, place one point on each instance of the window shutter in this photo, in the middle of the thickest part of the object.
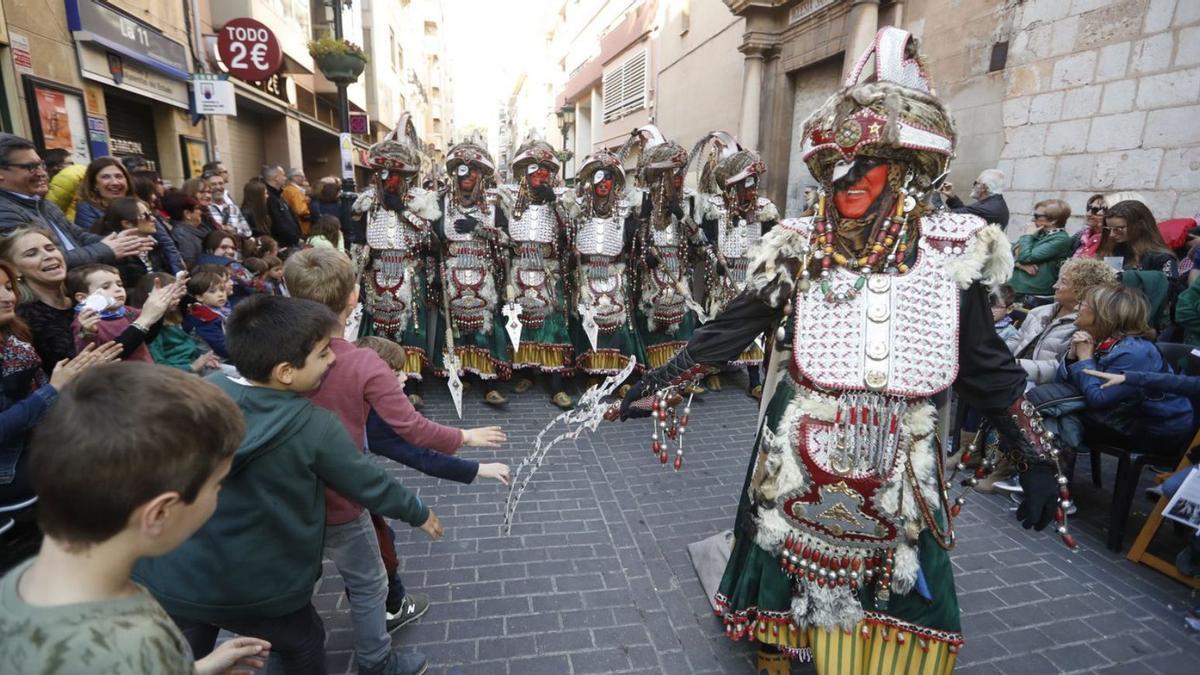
(625, 88)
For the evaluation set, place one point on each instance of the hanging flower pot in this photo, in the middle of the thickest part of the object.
(340, 61)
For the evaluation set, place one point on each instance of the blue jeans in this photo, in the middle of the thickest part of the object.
(354, 550)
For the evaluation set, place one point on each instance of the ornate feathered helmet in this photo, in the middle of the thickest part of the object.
(658, 155)
(533, 152)
(600, 165)
(893, 113)
(399, 150)
(741, 166)
(469, 153)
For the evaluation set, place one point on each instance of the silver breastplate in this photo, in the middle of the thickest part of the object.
(601, 236)
(898, 335)
(667, 236)
(454, 212)
(388, 230)
(735, 239)
(536, 224)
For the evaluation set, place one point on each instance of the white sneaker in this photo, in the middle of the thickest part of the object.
(1011, 485)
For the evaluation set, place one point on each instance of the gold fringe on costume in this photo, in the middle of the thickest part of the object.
(751, 357)
(602, 362)
(547, 358)
(877, 645)
(658, 355)
(415, 362)
(480, 362)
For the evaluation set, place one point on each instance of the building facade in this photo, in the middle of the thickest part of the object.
(1067, 97)
(113, 78)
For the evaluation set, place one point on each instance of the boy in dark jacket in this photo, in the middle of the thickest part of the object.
(206, 317)
(252, 567)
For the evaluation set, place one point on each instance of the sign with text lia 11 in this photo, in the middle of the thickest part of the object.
(249, 50)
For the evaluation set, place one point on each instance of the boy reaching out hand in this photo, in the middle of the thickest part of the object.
(167, 438)
(252, 567)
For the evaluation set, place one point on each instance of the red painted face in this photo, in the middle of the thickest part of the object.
(604, 187)
(467, 182)
(747, 195)
(677, 181)
(537, 178)
(855, 200)
(393, 181)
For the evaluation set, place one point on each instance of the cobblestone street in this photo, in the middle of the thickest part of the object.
(596, 578)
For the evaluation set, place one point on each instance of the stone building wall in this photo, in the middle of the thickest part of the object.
(1097, 96)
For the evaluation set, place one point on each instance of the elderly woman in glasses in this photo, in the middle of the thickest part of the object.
(1041, 251)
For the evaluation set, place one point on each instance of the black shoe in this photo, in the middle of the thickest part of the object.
(412, 608)
(395, 596)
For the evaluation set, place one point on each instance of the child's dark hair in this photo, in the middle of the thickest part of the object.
(267, 330)
(145, 286)
(391, 353)
(329, 227)
(202, 280)
(272, 261)
(257, 266)
(77, 277)
(120, 209)
(122, 434)
(213, 240)
(175, 202)
(1003, 295)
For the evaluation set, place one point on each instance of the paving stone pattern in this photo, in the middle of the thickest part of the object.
(596, 578)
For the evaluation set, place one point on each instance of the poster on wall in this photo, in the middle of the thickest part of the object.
(195, 155)
(57, 116)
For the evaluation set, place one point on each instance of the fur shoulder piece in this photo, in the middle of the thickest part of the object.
(985, 256)
(366, 200)
(707, 206)
(424, 204)
(767, 211)
(776, 259)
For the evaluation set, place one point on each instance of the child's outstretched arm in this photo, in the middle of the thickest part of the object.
(1169, 383)
(384, 441)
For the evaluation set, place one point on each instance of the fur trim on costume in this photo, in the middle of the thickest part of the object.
(775, 262)
(783, 468)
(904, 569)
(366, 200)
(425, 205)
(988, 259)
(827, 607)
(766, 210)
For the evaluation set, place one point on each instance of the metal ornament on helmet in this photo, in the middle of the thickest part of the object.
(399, 150)
(534, 152)
(599, 166)
(892, 113)
(471, 153)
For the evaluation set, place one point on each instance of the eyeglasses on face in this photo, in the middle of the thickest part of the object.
(145, 215)
(1096, 210)
(28, 166)
(1117, 228)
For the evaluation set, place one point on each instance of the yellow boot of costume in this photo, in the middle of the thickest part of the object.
(771, 662)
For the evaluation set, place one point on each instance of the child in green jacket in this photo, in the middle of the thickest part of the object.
(252, 567)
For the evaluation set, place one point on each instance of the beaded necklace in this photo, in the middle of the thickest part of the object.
(886, 253)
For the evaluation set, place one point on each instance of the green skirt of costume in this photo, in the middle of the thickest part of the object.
(612, 351)
(479, 353)
(548, 347)
(913, 635)
(398, 315)
(660, 346)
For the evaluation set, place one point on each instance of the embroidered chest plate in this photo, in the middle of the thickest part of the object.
(455, 212)
(898, 335)
(734, 239)
(388, 230)
(536, 224)
(601, 236)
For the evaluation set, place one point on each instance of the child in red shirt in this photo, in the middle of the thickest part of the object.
(101, 314)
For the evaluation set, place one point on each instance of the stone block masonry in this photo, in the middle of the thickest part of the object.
(1116, 109)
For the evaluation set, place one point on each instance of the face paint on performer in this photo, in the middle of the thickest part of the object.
(858, 186)
(747, 191)
(467, 179)
(539, 176)
(603, 187)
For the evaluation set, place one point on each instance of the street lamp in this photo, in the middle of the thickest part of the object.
(566, 121)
